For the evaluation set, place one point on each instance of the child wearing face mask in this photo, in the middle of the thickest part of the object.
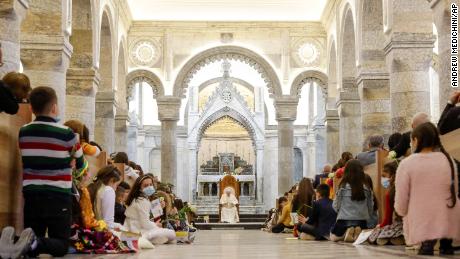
(390, 229)
(138, 213)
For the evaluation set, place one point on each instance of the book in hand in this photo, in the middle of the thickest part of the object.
(156, 209)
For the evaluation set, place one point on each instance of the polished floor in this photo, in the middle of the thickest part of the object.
(252, 244)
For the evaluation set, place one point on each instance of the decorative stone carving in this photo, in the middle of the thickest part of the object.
(226, 37)
(139, 76)
(227, 53)
(145, 52)
(307, 76)
(307, 52)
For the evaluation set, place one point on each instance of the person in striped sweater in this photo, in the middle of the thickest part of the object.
(51, 157)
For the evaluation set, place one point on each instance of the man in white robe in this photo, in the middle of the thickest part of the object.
(229, 212)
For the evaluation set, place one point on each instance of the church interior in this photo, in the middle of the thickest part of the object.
(240, 115)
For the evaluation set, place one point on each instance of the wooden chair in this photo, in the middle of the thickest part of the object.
(96, 163)
(11, 200)
(375, 171)
(229, 181)
(121, 168)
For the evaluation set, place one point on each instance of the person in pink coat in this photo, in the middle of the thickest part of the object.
(426, 190)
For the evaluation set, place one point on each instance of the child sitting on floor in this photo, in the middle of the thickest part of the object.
(318, 225)
(284, 220)
(353, 203)
(138, 213)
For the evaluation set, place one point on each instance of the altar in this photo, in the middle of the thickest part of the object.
(214, 170)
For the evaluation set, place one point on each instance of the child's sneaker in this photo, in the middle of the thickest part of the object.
(24, 244)
(7, 242)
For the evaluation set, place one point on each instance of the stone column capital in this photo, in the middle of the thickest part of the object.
(404, 41)
(39, 49)
(286, 107)
(105, 101)
(350, 95)
(82, 81)
(168, 108)
(122, 114)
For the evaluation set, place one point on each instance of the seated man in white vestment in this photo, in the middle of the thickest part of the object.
(229, 211)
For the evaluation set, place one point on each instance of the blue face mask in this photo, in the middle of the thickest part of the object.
(385, 182)
(148, 191)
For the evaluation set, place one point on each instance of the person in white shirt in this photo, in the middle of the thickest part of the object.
(102, 192)
(138, 214)
(228, 201)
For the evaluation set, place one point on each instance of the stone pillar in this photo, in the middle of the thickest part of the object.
(374, 93)
(168, 113)
(82, 85)
(332, 136)
(441, 15)
(409, 53)
(132, 140)
(259, 185)
(286, 113)
(311, 154)
(12, 13)
(121, 131)
(193, 167)
(104, 130)
(45, 47)
(409, 81)
(349, 109)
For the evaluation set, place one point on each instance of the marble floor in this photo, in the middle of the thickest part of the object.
(252, 244)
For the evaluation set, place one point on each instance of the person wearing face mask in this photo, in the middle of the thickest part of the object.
(389, 231)
(138, 213)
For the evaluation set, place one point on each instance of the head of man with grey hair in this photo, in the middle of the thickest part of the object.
(376, 141)
(419, 119)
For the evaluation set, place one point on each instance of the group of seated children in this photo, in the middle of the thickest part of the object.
(420, 207)
(68, 210)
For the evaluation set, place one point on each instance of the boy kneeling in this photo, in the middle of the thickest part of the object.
(318, 225)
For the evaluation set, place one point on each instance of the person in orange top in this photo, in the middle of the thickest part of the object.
(79, 128)
(285, 220)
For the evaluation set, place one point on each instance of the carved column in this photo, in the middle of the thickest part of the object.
(168, 113)
(374, 93)
(193, 167)
(441, 15)
(12, 13)
(349, 109)
(286, 113)
(132, 139)
(121, 130)
(104, 130)
(332, 136)
(82, 85)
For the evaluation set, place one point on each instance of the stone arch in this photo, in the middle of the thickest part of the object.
(106, 64)
(233, 114)
(147, 76)
(218, 79)
(310, 75)
(348, 50)
(250, 57)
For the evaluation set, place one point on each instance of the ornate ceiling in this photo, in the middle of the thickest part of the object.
(227, 10)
